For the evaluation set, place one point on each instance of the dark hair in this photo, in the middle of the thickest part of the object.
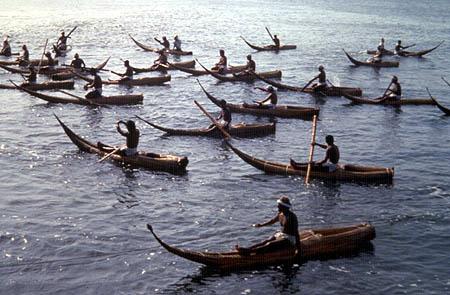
(131, 125)
(221, 51)
(223, 102)
(329, 139)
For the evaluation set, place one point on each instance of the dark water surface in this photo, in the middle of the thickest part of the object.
(70, 225)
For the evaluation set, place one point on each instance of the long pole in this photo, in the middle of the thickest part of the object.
(42, 57)
(311, 149)
(227, 135)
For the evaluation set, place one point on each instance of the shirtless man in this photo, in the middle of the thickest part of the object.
(77, 62)
(96, 84)
(132, 134)
(331, 155)
(221, 66)
(128, 75)
(288, 237)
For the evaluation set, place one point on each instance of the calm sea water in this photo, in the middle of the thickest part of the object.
(70, 225)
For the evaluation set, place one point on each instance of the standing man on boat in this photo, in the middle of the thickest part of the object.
(270, 102)
(164, 42)
(61, 44)
(177, 43)
(288, 237)
(6, 48)
(128, 75)
(221, 66)
(96, 84)
(394, 90)
(331, 155)
(77, 63)
(132, 134)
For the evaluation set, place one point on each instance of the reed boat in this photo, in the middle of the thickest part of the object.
(150, 161)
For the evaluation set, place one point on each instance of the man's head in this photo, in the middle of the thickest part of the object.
(284, 204)
(329, 139)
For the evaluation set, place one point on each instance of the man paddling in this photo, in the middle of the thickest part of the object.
(31, 77)
(6, 48)
(394, 90)
(164, 43)
(287, 238)
(399, 48)
(221, 66)
(132, 135)
(77, 63)
(271, 100)
(177, 43)
(224, 119)
(50, 61)
(96, 84)
(160, 62)
(276, 41)
(322, 81)
(61, 44)
(249, 68)
(331, 155)
(128, 75)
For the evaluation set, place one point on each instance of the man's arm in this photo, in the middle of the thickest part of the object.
(120, 129)
(270, 222)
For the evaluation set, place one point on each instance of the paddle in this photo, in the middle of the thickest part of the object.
(270, 34)
(330, 83)
(109, 155)
(225, 133)
(311, 150)
(446, 82)
(68, 35)
(42, 56)
(115, 73)
(387, 89)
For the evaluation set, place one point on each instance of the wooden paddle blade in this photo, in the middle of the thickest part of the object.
(311, 151)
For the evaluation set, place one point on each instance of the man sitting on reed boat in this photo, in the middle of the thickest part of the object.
(96, 84)
(249, 68)
(331, 155)
(288, 237)
(271, 100)
(77, 62)
(380, 46)
(161, 61)
(322, 83)
(31, 77)
(224, 119)
(61, 44)
(24, 56)
(221, 66)
(176, 43)
(276, 41)
(132, 135)
(164, 42)
(50, 60)
(128, 75)
(399, 49)
(394, 90)
(6, 48)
